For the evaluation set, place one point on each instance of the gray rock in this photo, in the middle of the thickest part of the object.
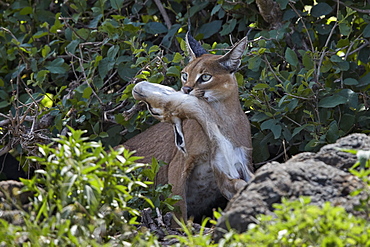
(303, 175)
(332, 155)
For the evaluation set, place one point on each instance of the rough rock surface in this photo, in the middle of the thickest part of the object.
(304, 175)
(332, 155)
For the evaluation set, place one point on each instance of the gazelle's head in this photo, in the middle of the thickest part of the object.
(164, 102)
(211, 76)
(167, 105)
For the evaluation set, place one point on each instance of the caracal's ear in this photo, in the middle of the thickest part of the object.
(194, 48)
(231, 60)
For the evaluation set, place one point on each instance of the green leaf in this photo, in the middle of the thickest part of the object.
(94, 22)
(345, 28)
(71, 47)
(228, 27)
(209, 29)
(351, 96)
(41, 75)
(332, 101)
(347, 122)
(87, 92)
(215, 9)
(105, 65)
(26, 11)
(321, 9)
(343, 66)
(291, 57)
(173, 71)
(113, 51)
(57, 66)
(260, 86)
(333, 132)
(364, 80)
(45, 51)
(326, 66)
(366, 32)
(155, 28)
(282, 3)
(259, 117)
(197, 7)
(274, 126)
(83, 33)
(4, 104)
(97, 60)
(299, 129)
(156, 78)
(57, 24)
(254, 63)
(116, 4)
(126, 72)
(343, 43)
(90, 169)
(153, 48)
(177, 58)
(336, 59)
(42, 210)
(308, 61)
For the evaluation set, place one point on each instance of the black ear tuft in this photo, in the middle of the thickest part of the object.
(194, 48)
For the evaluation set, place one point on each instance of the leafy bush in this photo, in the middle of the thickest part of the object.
(83, 195)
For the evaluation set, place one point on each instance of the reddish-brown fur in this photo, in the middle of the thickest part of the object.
(193, 176)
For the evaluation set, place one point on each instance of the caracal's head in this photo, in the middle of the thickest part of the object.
(211, 76)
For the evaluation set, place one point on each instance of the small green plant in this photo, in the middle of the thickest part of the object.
(298, 223)
(193, 238)
(159, 195)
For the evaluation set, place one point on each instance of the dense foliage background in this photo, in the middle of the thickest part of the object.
(304, 82)
(306, 72)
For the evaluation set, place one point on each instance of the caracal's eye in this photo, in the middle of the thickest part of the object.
(205, 77)
(184, 76)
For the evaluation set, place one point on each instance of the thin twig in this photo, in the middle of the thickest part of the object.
(304, 25)
(5, 149)
(84, 74)
(366, 11)
(271, 69)
(326, 45)
(163, 13)
(359, 48)
(298, 97)
(273, 159)
(295, 122)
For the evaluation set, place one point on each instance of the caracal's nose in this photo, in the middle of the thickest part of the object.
(187, 89)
